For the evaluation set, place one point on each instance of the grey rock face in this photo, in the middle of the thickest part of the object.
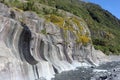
(26, 53)
(4, 10)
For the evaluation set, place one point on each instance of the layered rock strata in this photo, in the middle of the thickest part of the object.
(26, 53)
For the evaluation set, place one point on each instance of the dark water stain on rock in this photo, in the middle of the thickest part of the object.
(24, 45)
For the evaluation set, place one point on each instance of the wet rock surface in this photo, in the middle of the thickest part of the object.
(107, 71)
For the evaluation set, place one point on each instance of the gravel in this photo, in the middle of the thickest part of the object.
(106, 71)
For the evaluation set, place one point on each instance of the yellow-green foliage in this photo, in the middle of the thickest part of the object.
(109, 35)
(66, 24)
(84, 39)
(55, 19)
(17, 9)
(60, 22)
(75, 20)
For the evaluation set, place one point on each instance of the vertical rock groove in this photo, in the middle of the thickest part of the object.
(24, 45)
(37, 50)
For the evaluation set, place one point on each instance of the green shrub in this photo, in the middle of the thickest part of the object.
(43, 31)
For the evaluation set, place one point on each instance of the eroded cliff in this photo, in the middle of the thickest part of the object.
(32, 48)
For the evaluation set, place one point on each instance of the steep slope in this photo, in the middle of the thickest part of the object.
(34, 48)
(104, 27)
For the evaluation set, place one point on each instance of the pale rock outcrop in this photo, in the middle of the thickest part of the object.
(28, 54)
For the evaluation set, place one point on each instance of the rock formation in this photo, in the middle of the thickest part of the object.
(32, 49)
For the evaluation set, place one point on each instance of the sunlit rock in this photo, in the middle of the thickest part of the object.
(27, 53)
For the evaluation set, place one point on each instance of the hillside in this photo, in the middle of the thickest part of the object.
(41, 39)
(39, 46)
(104, 27)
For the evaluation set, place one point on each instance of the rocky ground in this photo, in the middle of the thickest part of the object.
(106, 71)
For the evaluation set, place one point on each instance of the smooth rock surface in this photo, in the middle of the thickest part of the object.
(28, 54)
